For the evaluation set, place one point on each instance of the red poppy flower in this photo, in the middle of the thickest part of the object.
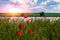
(30, 31)
(18, 33)
(25, 16)
(27, 21)
(20, 25)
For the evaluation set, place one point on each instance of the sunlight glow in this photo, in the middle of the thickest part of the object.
(13, 10)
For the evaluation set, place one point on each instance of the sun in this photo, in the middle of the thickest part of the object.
(13, 10)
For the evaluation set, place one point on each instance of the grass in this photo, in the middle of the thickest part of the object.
(38, 14)
(45, 14)
(42, 30)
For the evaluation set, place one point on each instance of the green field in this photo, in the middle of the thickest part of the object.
(45, 14)
(38, 14)
(42, 30)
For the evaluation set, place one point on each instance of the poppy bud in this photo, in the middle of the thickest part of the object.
(20, 25)
(18, 33)
(27, 21)
(25, 16)
(30, 31)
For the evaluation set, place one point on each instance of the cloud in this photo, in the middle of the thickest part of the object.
(57, 0)
(20, 8)
(24, 1)
(19, 1)
(53, 6)
(57, 7)
(41, 5)
(33, 5)
(35, 1)
(22, 5)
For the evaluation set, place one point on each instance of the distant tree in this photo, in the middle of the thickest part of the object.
(42, 14)
(22, 14)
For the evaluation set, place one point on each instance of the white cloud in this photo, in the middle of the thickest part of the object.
(42, 6)
(24, 5)
(54, 9)
(24, 1)
(57, 7)
(11, 7)
(36, 7)
(19, 1)
(44, 3)
(35, 1)
(57, 0)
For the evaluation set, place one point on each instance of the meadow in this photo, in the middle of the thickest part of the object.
(42, 30)
(45, 14)
(32, 14)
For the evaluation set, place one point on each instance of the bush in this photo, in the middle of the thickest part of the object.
(42, 14)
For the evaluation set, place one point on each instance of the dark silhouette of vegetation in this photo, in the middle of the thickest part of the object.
(42, 14)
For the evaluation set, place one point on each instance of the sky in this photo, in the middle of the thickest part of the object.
(49, 6)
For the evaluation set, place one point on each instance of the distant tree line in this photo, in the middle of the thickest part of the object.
(42, 14)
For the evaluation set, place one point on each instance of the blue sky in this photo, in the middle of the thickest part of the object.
(33, 5)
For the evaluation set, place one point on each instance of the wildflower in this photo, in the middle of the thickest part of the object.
(18, 33)
(30, 31)
(20, 25)
(25, 16)
(27, 21)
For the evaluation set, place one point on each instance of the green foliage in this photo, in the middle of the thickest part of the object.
(38, 14)
(42, 30)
